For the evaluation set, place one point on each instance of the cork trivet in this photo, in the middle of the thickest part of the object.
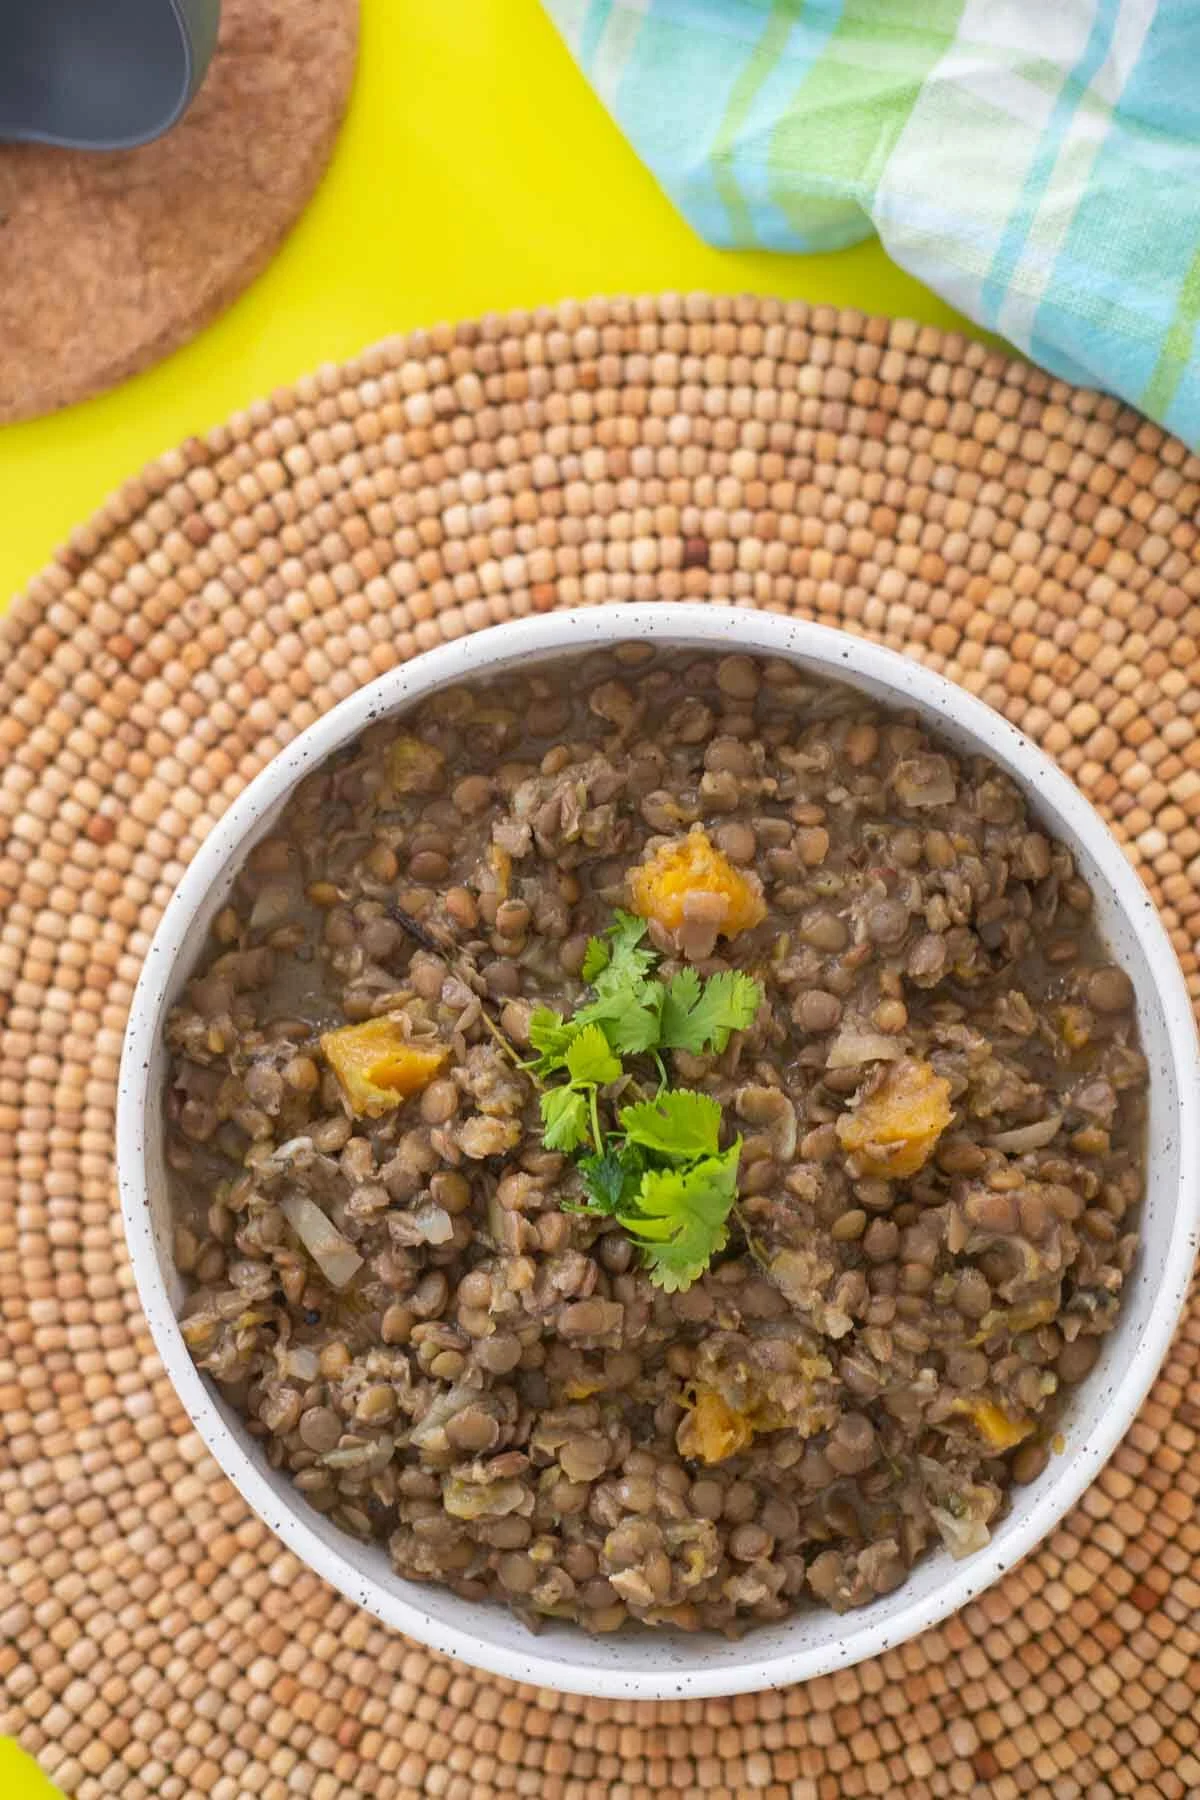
(109, 262)
(1036, 543)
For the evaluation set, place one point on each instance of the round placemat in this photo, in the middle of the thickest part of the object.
(1037, 543)
(111, 261)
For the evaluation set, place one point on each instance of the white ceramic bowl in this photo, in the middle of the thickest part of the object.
(659, 1665)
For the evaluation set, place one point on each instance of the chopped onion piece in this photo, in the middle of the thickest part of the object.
(496, 1216)
(433, 1224)
(1028, 1137)
(271, 907)
(926, 780)
(482, 1500)
(370, 1457)
(300, 1362)
(292, 1151)
(337, 1259)
(853, 1046)
(962, 1537)
(442, 1408)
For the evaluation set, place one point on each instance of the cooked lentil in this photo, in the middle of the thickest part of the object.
(942, 1101)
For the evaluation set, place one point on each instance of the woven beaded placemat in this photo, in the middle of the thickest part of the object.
(1037, 543)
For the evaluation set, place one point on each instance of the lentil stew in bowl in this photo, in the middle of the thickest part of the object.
(655, 1138)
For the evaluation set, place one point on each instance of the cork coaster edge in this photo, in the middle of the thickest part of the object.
(165, 196)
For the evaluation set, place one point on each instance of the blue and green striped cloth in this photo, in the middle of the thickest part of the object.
(1036, 162)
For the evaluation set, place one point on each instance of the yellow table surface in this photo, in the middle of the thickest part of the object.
(476, 171)
(20, 1777)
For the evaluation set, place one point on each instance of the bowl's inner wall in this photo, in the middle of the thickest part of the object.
(659, 1653)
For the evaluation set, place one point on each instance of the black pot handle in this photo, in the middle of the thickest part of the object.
(101, 76)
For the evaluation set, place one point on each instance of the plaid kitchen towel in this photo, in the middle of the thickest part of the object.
(1036, 162)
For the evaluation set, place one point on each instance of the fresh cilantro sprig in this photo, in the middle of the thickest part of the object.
(677, 1123)
(638, 1013)
(667, 1182)
(612, 1179)
(661, 1173)
(679, 1217)
(568, 1111)
(619, 956)
(699, 1017)
(627, 1005)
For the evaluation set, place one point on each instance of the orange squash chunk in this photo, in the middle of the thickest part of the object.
(998, 1428)
(1014, 1320)
(712, 1430)
(661, 888)
(501, 866)
(1075, 1026)
(377, 1067)
(892, 1131)
(414, 767)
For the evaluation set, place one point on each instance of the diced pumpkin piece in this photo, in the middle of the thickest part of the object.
(377, 1067)
(892, 1130)
(998, 1428)
(661, 888)
(1075, 1026)
(583, 1390)
(712, 1430)
(464, 1499)
(682, 1617)
(414, 767)
(501, 865)
(1014, 1319)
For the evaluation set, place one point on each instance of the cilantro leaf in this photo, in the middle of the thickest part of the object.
(564, 1118)
(549, 1034)
(698, 1022)
(629, 1019)
(589, 1059)
(625, 935)
(611, 1180)
(615, 961)
(678, 1123)
(729, 1003)
(626, 1001)
(595, 958)
(679, 1217)
(680, 996)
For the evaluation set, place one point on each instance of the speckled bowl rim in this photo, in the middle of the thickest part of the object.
(658, 1666)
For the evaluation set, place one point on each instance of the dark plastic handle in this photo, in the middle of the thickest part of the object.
(101, 74)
